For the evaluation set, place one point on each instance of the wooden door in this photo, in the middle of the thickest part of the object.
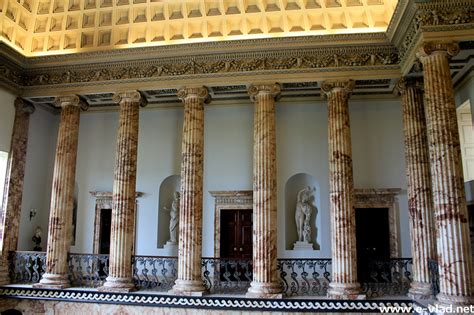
(466, 138)
(105, 227)
(236, 234)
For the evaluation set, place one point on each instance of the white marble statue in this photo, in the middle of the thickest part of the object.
(303, 211)
(174, 217)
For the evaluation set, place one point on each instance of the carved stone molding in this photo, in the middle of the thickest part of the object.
(383, 198)
(103, 200)
(228, 200)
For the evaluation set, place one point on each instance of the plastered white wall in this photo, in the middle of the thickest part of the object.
(42, 137)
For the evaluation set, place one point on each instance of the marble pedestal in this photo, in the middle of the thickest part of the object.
(303, 246)
(171, 248)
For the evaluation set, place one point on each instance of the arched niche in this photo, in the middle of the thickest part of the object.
(168, 187)
(293, 185)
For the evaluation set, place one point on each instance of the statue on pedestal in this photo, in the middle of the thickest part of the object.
(303, 211)
(174, 218)
(37, 239)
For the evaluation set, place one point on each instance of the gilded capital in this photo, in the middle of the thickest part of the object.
(264, 89)
(346, 86)
(451, 49)
(201, 93)
(128, 97)
(70, 100)
(24, 106)
(404, 83)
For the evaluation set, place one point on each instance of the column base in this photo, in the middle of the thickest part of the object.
(115, 284)
(188, 288)
(265, 290)
(446, 301)
(420, 291)
(53, 281)
(345, 291)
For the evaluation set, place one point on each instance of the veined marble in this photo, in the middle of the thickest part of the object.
(13, 192)
(453, 243)
(265, 276)
(189, 281)
(344, 283)
(122, 236)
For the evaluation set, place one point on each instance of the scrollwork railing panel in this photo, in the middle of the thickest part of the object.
(226, 275)
(155, 273)
(26, 267)
(88, 270)
(434, 275)
(305, 276)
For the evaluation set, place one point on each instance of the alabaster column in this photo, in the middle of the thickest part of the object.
(189, 281)
(13, 192)
(120, 277)
(451, 218)
(420, 199)
(62, 195)
(265, 282)
(344, 283)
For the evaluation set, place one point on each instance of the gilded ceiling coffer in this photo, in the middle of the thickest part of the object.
(451, 217)
(122, 236)
(265, 282)
(14, 184)
(344, 284)
(189, 281)
(62, 197)
(420, 198)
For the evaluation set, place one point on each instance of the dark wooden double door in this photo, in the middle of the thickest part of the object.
(236, 244)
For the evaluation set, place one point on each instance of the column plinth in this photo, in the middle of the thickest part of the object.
(420, 200)
(451, 218)
(62, 196)
(189, 281)
(13, 192)
(265, 282)
(344, 283)
(120, 277)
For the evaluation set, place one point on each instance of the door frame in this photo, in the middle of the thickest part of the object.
(103, 200)
(228, 200)
(383, 198)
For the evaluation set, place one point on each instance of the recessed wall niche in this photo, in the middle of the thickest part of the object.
(294, 187)
(168, 187)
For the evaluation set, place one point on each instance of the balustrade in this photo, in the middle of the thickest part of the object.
(299, 277)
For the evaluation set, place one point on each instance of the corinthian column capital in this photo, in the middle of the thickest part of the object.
(71, 100)
(405, 83)
(345, 86)
(451, 49)
(23, 106)
(129, 97)
(200, 93)
(264, 89)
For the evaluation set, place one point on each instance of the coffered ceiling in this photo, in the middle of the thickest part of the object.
(51, 27)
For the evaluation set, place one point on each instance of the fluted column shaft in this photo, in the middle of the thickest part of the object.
(13, 192)
(420, 198)
(120, 277)
(189, 279)
(451, 218)
(341, 192)
(62, 196)
(265, 276)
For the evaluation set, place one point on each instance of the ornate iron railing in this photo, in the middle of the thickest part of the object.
(226, 275)
(26, 267)
(434, 275)
(305, 276)
(88, 270)
(388, 277)
(155, 273)
(223, 275)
